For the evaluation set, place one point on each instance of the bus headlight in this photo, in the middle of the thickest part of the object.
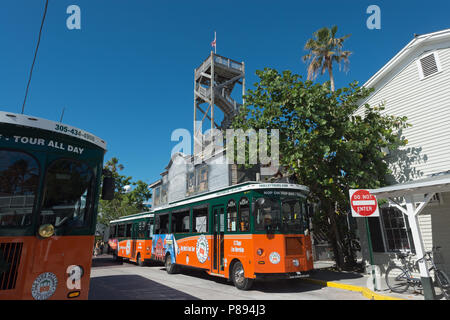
(295, 263)
(259, 252)
(46, 230)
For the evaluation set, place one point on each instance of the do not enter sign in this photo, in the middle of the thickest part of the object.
(363, 203)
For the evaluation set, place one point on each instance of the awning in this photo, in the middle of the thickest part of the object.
(433, 184)
(428, 187)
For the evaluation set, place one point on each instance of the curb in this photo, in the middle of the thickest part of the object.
(364, 291)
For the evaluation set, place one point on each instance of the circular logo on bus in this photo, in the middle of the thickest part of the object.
(44, 286)
(202, 249)
(274, 257)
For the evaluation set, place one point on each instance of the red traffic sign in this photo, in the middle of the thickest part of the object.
(363, 203)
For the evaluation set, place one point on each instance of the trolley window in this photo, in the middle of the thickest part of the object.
(244, 210)
(232, 215)
(180, 221)
(292, 215)
(162, 223)
(68, 191)
(19, 179)
(267, 214)
(200, 220)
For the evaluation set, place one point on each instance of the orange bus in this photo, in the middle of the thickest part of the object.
(130, 237)
(49, 186)
(244, 232)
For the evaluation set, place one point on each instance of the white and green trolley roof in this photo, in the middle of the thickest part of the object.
(243, 187)
(52, 126)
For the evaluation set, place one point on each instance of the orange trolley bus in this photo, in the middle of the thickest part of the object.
(244, 232)
(130, 237)
(49, 185)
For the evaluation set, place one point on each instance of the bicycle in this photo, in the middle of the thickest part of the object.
(399, 278)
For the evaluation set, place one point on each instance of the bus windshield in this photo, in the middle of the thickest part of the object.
(285, 214)
(67, 193)
(19, 179)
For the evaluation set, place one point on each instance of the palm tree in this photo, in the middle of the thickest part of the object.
(324, 50)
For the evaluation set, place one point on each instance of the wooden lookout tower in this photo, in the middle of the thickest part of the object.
(214, 82)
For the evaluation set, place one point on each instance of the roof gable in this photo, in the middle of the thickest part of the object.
(415, 48)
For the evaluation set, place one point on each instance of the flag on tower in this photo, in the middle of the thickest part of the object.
(213, 44)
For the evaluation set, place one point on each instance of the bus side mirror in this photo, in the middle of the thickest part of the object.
(108, 188)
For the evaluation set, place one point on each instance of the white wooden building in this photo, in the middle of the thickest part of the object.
(415, 83)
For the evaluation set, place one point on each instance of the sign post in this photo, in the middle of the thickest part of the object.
(363, 204)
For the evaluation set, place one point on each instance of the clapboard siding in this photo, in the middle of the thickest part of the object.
(426, 104)
(426, 230)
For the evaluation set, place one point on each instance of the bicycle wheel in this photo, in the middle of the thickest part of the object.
(397, 279)
(444, 283)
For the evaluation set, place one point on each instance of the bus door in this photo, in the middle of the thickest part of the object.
(218, 239)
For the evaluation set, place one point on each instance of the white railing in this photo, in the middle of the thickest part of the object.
(228, 62)
(16, 201)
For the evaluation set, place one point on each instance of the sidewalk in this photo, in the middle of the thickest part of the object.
(325, 276)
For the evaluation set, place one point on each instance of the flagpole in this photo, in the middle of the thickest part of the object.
(215, 42)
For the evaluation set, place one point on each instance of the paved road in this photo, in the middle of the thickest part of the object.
(127, 281)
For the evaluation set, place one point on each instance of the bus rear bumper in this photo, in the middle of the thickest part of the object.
(285, 275)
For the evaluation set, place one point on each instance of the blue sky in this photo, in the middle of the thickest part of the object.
(127, 75)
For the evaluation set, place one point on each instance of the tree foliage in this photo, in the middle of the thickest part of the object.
(323, 142)
(325, 49)
(124, 203)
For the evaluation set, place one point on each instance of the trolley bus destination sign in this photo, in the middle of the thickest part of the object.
(43, 142)
(363, 204)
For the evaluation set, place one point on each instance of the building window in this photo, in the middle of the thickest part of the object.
(202, 179)
(190, 183)
(396, 230)
(164, 198)
(156, 196)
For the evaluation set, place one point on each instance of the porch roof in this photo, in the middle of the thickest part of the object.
(435, 183)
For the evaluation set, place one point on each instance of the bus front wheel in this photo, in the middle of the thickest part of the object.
(170, 267)
(139, 260)
(239, 280)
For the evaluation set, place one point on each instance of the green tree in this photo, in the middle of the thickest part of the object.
(322, 142)
(124, 203)
(325, 50)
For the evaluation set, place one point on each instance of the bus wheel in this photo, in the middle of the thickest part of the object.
(237, 274)
(139, 261)
(170, 267)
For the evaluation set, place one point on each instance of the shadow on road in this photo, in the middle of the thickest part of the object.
(117, 287)
(263, 286)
